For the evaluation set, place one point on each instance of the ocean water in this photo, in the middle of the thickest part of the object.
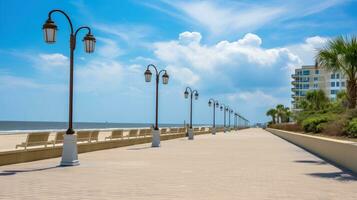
(23, 126)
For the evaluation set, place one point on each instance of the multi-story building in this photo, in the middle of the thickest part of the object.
(311, 77)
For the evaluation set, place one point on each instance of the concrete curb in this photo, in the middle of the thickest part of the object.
(342, 153)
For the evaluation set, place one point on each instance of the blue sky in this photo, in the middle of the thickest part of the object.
(239, 52)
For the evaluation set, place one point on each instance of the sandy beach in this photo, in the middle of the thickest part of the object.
(9, 141)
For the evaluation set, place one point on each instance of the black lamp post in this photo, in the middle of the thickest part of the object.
(165, 80)
(69, 155)
(229, 120)
(235, 120)
(192, 93)
(239, 121)
(215, 105)
(224, 108)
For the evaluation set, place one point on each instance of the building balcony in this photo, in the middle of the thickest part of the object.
(294, 82)
(294, 75)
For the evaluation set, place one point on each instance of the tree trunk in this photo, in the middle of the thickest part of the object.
(351, 93)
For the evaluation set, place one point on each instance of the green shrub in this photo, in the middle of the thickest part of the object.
(351, 113)
(336, 127)
(287, 127)
(314, 124)
(351, 128)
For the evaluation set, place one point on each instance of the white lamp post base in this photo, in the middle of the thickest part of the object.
(69, 152)
(213, 131)
(190, 134)
(155, 138)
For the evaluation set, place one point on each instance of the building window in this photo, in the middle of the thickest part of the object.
(333, 91)
(316, 85)
(337, 76)
(337, 84)
(342, 84)
(317, 71)
(332, 84)
(306, 86)
(316, 78)
(332, 76)
(306, 72)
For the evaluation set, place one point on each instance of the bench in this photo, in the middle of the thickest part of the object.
(164, 131)
(35, 139)
(94, 136)
(148, 132)
(84, 136)
(173, 130)
(59, 138)
(116, 134)
(182, 130)
(133, 133)
(144, 132)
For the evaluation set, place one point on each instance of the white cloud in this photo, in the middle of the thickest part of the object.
(51, 61)
(130, 33)
(307, 50)
(221, 19)
(108, 48)
(8, 81)
(227, 18)
(225, 60)
(254, 98)
(183, 75)
(250, 40)
(190, 38)
(99, 75)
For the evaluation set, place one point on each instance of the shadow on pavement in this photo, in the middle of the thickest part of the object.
(13, 172)
(318, 162)
(138, 148)
(339, 176)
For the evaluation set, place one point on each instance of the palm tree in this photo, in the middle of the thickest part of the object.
(280, 112)
(340, 54)
(317, 99)
(287, 114)
(272, 113)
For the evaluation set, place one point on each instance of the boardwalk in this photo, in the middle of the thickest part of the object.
(250, 164)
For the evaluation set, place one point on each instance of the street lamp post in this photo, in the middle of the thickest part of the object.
(69, 153)
(190, 92)
(165, 80)
(224, 108)
(229, 120)
(239, 121)
(215, 105)
(235, 121)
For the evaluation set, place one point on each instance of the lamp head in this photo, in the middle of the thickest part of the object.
(165, 78)
(196, 95)
(186, 94)
(89, 43)
(148, 75)
(49, 30)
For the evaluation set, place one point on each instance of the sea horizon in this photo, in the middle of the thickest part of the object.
(10, 127)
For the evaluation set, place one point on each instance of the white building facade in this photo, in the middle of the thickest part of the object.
(311, 77)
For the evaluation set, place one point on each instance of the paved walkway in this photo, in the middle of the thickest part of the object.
(252, 164)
